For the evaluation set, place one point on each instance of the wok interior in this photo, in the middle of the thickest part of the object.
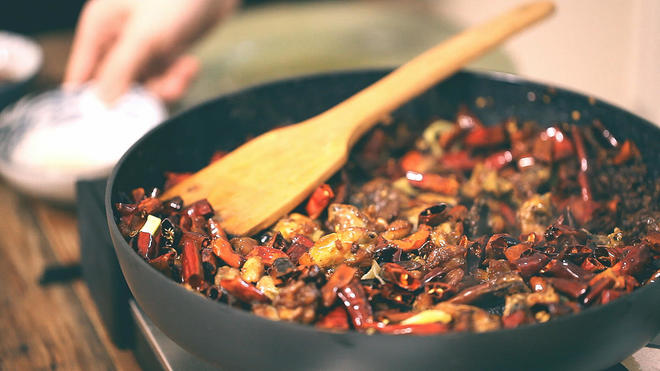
(186, 142)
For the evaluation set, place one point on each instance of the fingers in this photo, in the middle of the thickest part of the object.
(174, 82)
(123, 64)
(97, 29)
(117, 40)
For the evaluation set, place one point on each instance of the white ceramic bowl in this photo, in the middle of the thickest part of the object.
(49, 141)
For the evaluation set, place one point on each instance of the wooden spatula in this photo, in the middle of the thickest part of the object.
(251, 187)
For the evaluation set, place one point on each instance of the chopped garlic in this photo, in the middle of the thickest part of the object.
(253, 269)
(267, 285)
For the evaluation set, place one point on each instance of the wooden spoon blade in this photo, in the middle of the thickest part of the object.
(265, 178)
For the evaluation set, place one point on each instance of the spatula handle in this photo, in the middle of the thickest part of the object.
(351, 118)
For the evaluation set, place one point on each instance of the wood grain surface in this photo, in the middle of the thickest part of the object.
(54, 326)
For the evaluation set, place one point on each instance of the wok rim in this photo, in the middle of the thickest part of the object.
(496, 76)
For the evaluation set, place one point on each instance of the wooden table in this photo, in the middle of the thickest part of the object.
(53, 326)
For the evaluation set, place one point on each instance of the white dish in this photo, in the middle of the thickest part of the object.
(49, 141)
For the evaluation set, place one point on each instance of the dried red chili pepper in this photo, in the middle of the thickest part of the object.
(465, 121)
(336, 319)
(221, 247)
(438, 290)
(531, 264)
(552, 145)
(634, 259)
(185, 222)
(562, 149)
(198, 224)
(192, 272)
(542, 148)
(485, 136)
(125, 209)
(514, 319)
(146, 245)
(200, 240)
(584, 164)
(592, 264)
(434, 273)
(164, 262)
(499, 160)
(470, 294)
(243, 290)
(434, 215)
(653, 239)
(356, 303)
(397, 275)
(215, 230)
(173, 205)
(497, 244)
(223, 250)
(319, 200)
(434, 183)
(595, 289)
(268, 255)
(605, 134)
(415, 240)
(209, 262)
(608, 295)
(459, 160)
(276, 241)
(414, 329)
(570, 287)
(415, 161)
(199, 208)
(299, 245)
(150, 206)
(453, 278)
(628, 151)
(567, 269)
(341, 277)
(514, 252)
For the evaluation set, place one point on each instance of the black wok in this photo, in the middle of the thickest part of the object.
(234, 339)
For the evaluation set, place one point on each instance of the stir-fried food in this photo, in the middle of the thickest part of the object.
(466, 228)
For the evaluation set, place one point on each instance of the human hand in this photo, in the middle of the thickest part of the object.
(119, 42)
